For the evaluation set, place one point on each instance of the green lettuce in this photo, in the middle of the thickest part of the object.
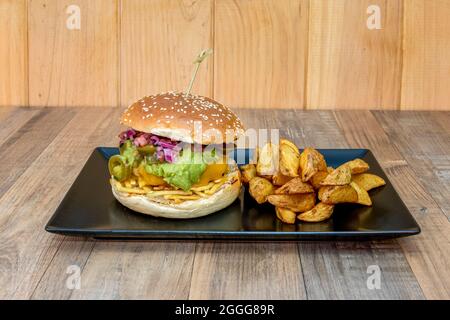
(185, 172)
(129, 151)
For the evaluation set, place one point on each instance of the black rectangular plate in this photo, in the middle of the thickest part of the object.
(90, 209)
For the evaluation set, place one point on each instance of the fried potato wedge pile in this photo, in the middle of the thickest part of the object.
(311, 162)
(319, 213)
(289, 158)
(302, 186)
(295, 186)
(260, 189)
(368, 181)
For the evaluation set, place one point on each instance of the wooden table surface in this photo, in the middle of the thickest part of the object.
(43, 150)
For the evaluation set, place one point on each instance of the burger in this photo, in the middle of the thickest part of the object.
(173, 156)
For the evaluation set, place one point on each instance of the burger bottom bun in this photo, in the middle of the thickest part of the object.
(185, 210)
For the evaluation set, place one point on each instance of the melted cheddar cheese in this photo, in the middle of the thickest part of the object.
(212, 172)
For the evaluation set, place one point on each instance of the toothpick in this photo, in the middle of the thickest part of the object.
(197, 62)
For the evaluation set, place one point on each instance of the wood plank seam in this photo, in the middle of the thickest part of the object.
(48, 265)
(62, 240)
(397, 243)
(305, 105)
(82, 268)
(27, 58)
(192, 271)
(305, 287)
(404, 163)
(213, 46)
(12, 139)
(15, 121)
(414, 173)
(402, 50)
(321, 130)
(44, 153)
(407, 164)
(119, 52)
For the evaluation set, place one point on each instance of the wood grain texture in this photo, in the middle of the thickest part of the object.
(159, 41)
(109, 269)
(33, 263)
(247, 271)
(330, 265)
(230, 270)
(13, 53)
(137, 270)
(12, 119)
(425, 145)
(260, 53)
(426, 56)
(71, 251)
(342, 268)
(427, 253)
(350, 66)
(73, 67)
(442, 119)
(339, 271)
(268, 53)
(26, 249)
(21, 149)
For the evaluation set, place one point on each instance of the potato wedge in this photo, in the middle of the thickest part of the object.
(320, 212)
(338, 194)
(368, 181)
(248, 172)
(294, 202)
(260, 189)
(285, 215)
(278, 179)
(317, 179)
(311, 162)
(330, 169)
(358, 166)
(363, 196)
(289, 158)
(295, 186)
(342, 175)
(268, 158)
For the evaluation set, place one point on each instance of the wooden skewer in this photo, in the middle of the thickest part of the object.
(197, 62)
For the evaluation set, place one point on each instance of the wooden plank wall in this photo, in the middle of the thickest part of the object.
(13, 53)
(260, 53)
(73, 67)
(159, 41)
(350, 65)
(426, 60)
(313, 54)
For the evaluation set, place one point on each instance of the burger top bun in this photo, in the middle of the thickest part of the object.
(184, 117)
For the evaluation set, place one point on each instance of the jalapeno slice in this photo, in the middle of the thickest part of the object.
(147, 150)
(118, 168)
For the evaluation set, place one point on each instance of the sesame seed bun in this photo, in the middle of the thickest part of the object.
(184, 117)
